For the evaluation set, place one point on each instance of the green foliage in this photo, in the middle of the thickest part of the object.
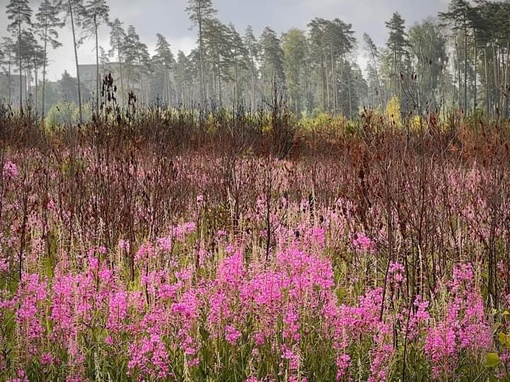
(494, 360)
(271, 57)
(295, 49)
(396, 58)
(331, 42)
(428, 48)
(65, 114)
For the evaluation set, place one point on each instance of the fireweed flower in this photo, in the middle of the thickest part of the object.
(22, 377)
(51, 205)
(108, 340)
(397, 272)
(464, 328)
(363, 244)
(290, 356)
(145, 252)
(165, 244)
(343, 362)
(10, 170)
(181, 231)
(46, 359)
(124, 244)
(220, 234)
(31, 293)
(4, 265)
(232, 334)
(117, 308)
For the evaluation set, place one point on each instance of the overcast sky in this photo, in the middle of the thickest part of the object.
(169, 18)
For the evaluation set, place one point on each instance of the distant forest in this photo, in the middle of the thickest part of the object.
(458, 60)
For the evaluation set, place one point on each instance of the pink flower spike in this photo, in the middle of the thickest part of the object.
(10, 170)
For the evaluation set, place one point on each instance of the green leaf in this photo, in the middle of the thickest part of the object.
(502, 338)
(492, 360)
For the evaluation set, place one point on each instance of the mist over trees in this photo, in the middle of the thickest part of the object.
(457, 60)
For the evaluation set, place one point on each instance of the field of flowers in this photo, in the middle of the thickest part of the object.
(377, 255)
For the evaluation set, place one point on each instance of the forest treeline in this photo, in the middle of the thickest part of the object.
(457, 60)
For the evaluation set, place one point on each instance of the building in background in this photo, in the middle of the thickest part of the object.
(124, 78)
(9, 89)
(145, 83)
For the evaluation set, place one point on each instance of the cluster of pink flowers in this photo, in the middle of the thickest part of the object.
(293, 300)
(362, 243)
(274, 289)
(10, 170)
(4, 265)
(464, 327)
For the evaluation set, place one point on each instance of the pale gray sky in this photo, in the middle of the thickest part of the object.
(169, 18)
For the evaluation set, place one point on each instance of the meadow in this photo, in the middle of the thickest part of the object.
(236, 247)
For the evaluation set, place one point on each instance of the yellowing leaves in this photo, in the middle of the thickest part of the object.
(492, 360)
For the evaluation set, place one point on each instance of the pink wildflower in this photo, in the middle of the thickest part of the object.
(363, 244)
(343, 362)
(10, 170)
(165, 244)
(4, 265)
(232, 334)
(108, 340)
(46, 359)
(124, 244)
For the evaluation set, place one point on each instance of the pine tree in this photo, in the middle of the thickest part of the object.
(398, 48)
(373, 62)
(271, 57)
(117, 38)
(331, 41)
(219, 55)
(318, 59)
(458, 17)
(251, 44)
(94, 13)
(47, 20)
(295, 49)
(137, 60)
(199, 12)
(73, 10)
(239, 65)
(20, 15)
(8, 49)
(164, 62)
(183, 79)
(428, 49)
(33, 56)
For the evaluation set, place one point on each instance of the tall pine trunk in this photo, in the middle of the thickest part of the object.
(201, 48)
(97, 65)
(253, 90)
(9, 77)
(475, 101)
(496, 79)
(507, 74)
(20, 68)
(459, 92)
(121, 77)
(44, 76)
(76, 60)
(487, 86)
(36, 87)
(465, 69)
(220, 99)
(333, 80)
(349, 93)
